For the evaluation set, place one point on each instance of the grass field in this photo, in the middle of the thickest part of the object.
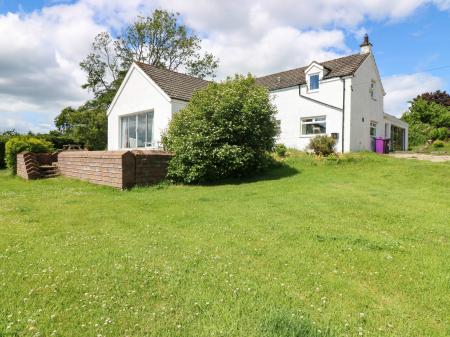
(360, 249)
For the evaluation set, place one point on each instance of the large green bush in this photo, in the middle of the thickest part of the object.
(24, 143)
(322, 145)
(226, 130)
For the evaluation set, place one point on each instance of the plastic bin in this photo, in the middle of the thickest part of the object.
(381, 145)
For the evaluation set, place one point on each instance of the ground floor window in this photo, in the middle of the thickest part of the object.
(313, 125)
(136, 130)
(373, 129)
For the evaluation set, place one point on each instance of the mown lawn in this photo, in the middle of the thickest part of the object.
(361, 248)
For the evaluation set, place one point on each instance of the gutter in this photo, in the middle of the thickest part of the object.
(343, 113)
(316, 101)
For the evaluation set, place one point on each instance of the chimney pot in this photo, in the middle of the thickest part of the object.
(366, 46)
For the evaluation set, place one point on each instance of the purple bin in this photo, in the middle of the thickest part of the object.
(380, 145)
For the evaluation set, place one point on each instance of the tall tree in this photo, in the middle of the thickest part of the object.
(103, 65)
(160, 40)
(439, 97)
(427, 120)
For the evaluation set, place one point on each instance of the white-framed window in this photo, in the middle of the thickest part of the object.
(373, 129)
(372, 89)
(314, 82)
(136, 130)
(313, 125)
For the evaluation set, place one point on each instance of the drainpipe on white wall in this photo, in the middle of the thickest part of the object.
(343, 113)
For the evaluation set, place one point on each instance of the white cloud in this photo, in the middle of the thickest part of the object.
(279, 49)
(39, 61)
(400, 89)
(41, 51)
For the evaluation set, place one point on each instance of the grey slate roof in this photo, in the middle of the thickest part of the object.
(181, 86)
(175, 85)
(343, 66)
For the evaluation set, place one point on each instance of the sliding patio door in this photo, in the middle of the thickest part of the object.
(136, 131)
(397, 138)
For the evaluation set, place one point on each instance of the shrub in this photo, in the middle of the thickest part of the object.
(438, 144)
(439, 133)
(281, 150)
(419, 134)
(2, 154)
(227, 130)
(20, 144)
(322, 145)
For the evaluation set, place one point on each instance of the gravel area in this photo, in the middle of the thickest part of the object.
(421, 156)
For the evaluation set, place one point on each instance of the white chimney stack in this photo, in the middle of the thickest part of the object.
(366, 46)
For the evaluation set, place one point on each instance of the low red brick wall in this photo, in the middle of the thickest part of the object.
(112, 168)
(28, 163)
(120, 169)
(151, 166)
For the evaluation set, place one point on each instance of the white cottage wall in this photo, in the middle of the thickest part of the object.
(364, 107)
(292, 107)
(138, 93)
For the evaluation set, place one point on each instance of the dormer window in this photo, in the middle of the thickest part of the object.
(314, 82)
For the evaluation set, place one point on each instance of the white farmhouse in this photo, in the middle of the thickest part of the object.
(342, 98)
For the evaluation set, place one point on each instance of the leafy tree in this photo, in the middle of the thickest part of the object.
(226, 130)
(88, 124)
(427, 120)
(159, 40)
(103, 65)
(440, 97)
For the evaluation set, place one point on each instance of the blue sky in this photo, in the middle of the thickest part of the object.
(42, 42)
(419, 43)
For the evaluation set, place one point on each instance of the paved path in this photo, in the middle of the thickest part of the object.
(420, 156)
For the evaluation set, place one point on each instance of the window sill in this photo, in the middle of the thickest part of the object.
(312, 136)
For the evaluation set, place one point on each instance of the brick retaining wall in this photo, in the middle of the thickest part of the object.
(120, 169)
(151, 166)
(27, 166)
(112, 168)
(28, 163)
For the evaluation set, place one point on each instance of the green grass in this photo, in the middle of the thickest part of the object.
(311, 249)
(429, 148)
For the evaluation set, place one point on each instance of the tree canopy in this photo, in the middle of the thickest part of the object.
(428, 118)
(440, 97)
(160, 40)
(225, 131)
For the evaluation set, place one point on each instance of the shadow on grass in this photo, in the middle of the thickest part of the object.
(275, 172)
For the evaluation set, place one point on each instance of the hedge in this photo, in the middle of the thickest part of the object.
(2, 154)
(19, 144)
